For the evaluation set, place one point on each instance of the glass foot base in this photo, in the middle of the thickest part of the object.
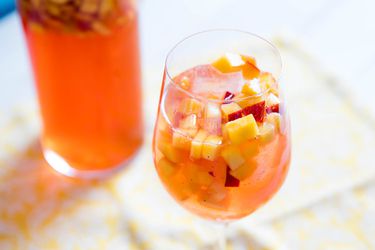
(59, 164)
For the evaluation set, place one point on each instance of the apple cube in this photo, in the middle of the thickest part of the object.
(165, 167)
(245, 100)
(252, 87)
(274, 118)
(272, 100)
(230, 180)
(267, 133)
(229, 63)
(232, 156)
(229, 108)
(171, 153)
(211, 147)
(234, 116)
(197, 144)
(190, 106)
(228, 96)
(250, 149)
(242, 129)
(244, 171)
(257, 110)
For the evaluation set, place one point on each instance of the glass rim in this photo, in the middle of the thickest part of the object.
(202, 98)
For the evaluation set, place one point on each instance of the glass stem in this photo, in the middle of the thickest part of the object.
(222, 236)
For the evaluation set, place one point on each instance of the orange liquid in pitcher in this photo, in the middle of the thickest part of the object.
(89, 93)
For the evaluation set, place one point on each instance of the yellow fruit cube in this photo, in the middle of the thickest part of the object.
(252, 87)
(211, 147)
(229, 108)
(190, 106)
(244, 171)
(242, 129)
(203, 178)
(267, 80)
(166, 168)
(275, 119)
(230, 62)
(266, 132)
(232, 156)
(250, 149)
(182, 138)
(189, 122)
(171, 153)
(197, 144)
(245, 101)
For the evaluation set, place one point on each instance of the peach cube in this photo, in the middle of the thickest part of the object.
(250, 149)
(252, 87)
(182, 138)
(197, 144)
(190, 106)
(166, 168)
(246, 101)
(203, 178)
(242, 129)
(171, 153)
(233, 157)
(230, 62)
(244, 171)
(274, 118)
(211, 147)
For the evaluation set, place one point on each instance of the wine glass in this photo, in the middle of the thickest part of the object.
(222, 136)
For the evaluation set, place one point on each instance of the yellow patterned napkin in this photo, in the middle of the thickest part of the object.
(332, 152)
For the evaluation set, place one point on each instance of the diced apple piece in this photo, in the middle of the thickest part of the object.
(229, 108)
(245, 100)
(252, 87)
(166, 168)
(190, 106)
(272, 100)
(274, 118)
(229, 63)
(228, 96)
(189, 122)
(211, 147)
(267, 80)
(197, 144)
(266, 133)
(242, 129)
(230, 180)
(234, 116)
(250, 149)
(232, 156)
(257, 110)
(244, 171)
(176, 118)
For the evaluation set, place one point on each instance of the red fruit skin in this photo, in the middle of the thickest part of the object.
(228, 96)
(235, 115)
(257, 110)
(273, 109)
(177, 118)
(231, 181)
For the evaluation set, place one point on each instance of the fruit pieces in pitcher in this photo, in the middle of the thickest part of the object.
(228, 130)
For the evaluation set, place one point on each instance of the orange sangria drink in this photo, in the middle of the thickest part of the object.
(87, 72)
(222, 135)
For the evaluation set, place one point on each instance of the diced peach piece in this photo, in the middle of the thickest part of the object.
(211, 147)
(232, 156)
(189, 122)
(266, 132)
(250, 71)
(244, 171)
(185, 83)
(197, 144)
(182, 138)
(252, 87)
(266, 79)
(203, 178)
(229, 63)
(190, 106)
(171, 153)
(274, 118)
(250, 149)
(229, 108)
(166, 168)
(242, 129)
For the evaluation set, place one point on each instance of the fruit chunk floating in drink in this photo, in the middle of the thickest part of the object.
(86, 66)
(222, 144)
